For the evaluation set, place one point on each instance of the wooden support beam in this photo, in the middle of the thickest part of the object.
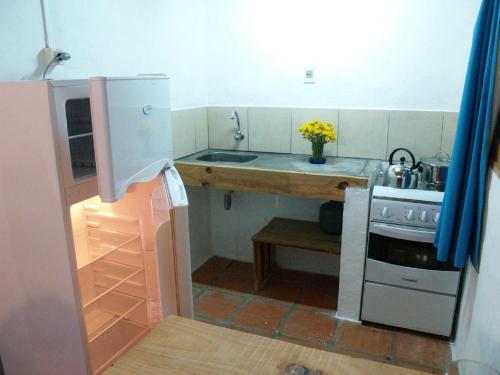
(307, 185)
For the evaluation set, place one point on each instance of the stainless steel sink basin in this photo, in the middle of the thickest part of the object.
(227, 157)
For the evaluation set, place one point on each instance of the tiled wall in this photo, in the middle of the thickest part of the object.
(361, 133)
(190, 131)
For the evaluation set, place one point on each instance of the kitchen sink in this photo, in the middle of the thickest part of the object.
(227, 157)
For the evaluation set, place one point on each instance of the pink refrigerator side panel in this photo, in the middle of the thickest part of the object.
(41, 330)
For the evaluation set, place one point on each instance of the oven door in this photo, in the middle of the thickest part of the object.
(405, 256)
(405, 246)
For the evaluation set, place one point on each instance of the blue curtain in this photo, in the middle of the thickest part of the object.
(459, 231)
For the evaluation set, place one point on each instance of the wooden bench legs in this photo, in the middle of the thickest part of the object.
(264, 262)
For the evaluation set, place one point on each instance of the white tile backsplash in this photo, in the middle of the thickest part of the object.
(360, 133)
(269, 129)
(184, 132)
(363, 133)
(221, 128)
(449, 130)
(302, 115)
(201, 128)
(418, 131)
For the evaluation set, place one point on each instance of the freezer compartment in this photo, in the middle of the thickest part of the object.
(116, 340)
(408, 308)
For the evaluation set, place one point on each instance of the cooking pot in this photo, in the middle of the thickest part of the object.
(435, 171)
(400, 175)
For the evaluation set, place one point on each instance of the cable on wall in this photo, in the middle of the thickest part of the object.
(44, 22)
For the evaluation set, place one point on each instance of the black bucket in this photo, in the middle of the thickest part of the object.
(330, 217)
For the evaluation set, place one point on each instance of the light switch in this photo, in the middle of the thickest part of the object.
(310, 74)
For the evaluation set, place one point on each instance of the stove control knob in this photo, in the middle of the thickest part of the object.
(385, 212)
(410, 215)
(435, 219)
(424, 216)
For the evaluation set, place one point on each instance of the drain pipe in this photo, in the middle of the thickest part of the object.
(228, 197)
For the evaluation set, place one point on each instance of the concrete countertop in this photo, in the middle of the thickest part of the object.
(334, 166)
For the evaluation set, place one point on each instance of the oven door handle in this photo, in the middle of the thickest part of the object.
(403, 233)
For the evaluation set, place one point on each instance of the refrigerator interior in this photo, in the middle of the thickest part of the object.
(116, 256)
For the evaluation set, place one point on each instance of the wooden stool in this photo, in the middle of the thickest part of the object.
(290, 233)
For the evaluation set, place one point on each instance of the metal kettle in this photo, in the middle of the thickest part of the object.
(400, 175)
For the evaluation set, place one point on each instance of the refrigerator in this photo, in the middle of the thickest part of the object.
(95, 243)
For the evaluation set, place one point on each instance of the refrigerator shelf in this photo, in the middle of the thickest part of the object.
(103, 242)
(107, 311)
(110, 345)
(109, 276)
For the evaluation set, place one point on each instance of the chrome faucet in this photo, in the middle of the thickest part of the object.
(238, 136)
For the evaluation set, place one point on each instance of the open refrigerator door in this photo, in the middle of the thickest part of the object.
(132, 131)
(133, 264)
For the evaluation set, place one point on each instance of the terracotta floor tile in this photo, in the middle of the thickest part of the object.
(240, 268)
(235, 282)
(263, 314)
(252, 330)
(310, 324)
(204, 276)
(208, 321)
(324, 298)
(215, 304)
(290, 275)
(423, 350)
(324, 281)
(362, 355)
(207, 273)
(365, 338)
(309, 344)
(419, 368)
(281, 290)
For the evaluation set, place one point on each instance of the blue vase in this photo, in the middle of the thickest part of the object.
(317, 161)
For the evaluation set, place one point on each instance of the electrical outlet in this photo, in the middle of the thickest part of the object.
(48, 54)
(310, 74)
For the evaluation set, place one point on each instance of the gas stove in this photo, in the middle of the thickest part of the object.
(405, 285)
(419, 208)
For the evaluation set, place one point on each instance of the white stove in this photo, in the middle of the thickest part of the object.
(405, 285)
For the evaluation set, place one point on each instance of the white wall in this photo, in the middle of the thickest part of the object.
(113, 37)
(478, 332)
(233, 229)
(393, 54)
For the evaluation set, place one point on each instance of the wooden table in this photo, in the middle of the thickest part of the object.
(182, 346)
(298, 234)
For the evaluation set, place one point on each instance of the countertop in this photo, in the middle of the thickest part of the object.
(335, 166)
(282, 174)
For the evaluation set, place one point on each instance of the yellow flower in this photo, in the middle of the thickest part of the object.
(318, 131)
